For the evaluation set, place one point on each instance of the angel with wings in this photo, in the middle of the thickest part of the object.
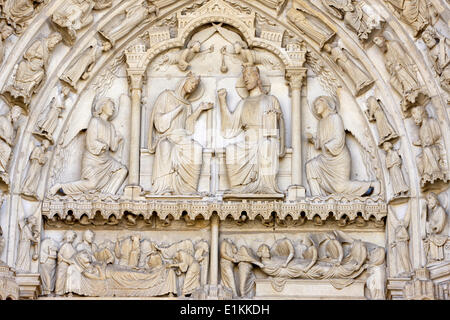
(100, 172)
(400, 243)
(330, 171)
(250, 57)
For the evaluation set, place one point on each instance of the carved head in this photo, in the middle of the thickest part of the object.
(88, 236)
(53, 40)
(323, 105)
(252, 78)
(69, 236)
(191, 83)
(432, 200)
(105, 106)
(32, 220)
(377, 256)
(196, 46)
(429, 37)
(419, 113)
(238, 46)
(45, 144)
(263, 251)
(387, 146)
(380, 41)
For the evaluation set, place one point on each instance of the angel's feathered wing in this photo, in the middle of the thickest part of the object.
(352, 120)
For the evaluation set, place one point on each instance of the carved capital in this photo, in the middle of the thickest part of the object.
(136, 78)
(295, 77)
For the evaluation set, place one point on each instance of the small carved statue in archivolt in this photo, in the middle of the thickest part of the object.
(38, 159)
(354, 16)
(403, 73)
(394, 166)
(329, 172)
(48, 121)
(436, 232)
(81, 68)
(301, 18)
(47, 267)
(430, 162)
(100, 171)
(8, 128)
(122, 24)
(399, 244)
(178, 158)
(27, 250)
(253, 164)
(439, 54)
(375, 112)
(20, 12)
(73, 15)
(416, 13)
(32, 70)
(361, 80)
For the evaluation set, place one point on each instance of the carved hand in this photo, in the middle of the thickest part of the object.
(309, 136)
(205, 106)
(222, 94)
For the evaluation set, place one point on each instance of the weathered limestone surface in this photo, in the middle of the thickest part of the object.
(224, 149)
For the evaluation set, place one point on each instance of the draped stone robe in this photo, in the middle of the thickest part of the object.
(100, 171)
(329, 172)
(429, 160)
(253, 164)
(178, 158)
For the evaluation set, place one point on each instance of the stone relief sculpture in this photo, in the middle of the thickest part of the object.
(202, 256)
(434, 237)
(47, 267)
(319, 33)
(361, 81)
(81, 68)
(416, 13)
(375, 112)
(394, 166)
(184, 262)
(135, 13)
(252, 165)
(28, 241)
(100, 171)
(31, 71)
(376, 281)
(38, 159)
(8, 127)
(399, 244)
(64, 260)
(48, 121)
(19, 13)
(354, 16)
(403, 73)
(128, 251)
(74, 15)
(429, 162)
(329, 172)
(178, 158)
(439, 55)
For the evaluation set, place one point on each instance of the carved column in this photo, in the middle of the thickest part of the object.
(214, 256)
(135, 58)
(295, 76)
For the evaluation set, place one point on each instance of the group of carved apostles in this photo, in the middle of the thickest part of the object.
(252, 164)
(143, 267)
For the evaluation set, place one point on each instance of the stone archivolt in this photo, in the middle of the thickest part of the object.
(126, 150)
